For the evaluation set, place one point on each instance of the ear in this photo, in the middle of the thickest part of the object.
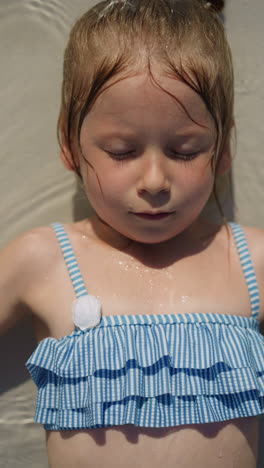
(224, 163)
(66, 158)
(66, 155)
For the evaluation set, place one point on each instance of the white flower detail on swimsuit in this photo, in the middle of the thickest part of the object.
(86, 312)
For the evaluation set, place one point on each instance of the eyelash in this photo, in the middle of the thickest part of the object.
(182, 157)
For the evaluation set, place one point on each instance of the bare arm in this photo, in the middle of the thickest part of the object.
(12, 265)
(20, 263)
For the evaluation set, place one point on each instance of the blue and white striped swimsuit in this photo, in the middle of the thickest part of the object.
(151, 370)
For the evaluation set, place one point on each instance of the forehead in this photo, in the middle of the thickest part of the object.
(138, 97)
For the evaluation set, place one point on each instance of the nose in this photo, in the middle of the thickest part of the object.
(154, 177)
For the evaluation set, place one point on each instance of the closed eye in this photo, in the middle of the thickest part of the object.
(128, 154)
(120, 156)
(186, 156)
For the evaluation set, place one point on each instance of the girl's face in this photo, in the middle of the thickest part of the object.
(149, 156)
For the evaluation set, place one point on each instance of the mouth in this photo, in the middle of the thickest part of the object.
(153, 216)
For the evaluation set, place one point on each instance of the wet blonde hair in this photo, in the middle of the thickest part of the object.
(185, 37)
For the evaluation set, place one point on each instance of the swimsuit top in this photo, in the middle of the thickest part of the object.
(151, 370)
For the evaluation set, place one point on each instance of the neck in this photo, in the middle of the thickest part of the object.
(193, 239)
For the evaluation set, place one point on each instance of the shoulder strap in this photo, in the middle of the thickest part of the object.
(247, 266)
(70, 260)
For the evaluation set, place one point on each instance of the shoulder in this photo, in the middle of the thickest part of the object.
(38, 250)
(22, 262)
(34, 278)
(255, 241)
(32, 245)
(31, 252)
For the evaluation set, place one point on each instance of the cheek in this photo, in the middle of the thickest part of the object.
(196, 183)
(105, 186)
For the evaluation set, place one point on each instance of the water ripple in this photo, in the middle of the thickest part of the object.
(53, 12)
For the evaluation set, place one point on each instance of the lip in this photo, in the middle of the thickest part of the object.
(154, 216)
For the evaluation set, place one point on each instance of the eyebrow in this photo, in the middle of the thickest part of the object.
(203, 136)
(117, 134)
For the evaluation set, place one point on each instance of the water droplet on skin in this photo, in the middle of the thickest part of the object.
(83, 237)
(220, 453)
(169, 275)
(151, 283)
(184, 299)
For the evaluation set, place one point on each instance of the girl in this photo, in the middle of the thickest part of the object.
(146, 314)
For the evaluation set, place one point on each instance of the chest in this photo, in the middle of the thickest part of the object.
(125, 286)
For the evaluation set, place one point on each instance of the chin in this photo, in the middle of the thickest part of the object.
(152, 239)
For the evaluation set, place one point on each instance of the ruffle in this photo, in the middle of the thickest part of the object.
(163, 411)
(153, 371)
